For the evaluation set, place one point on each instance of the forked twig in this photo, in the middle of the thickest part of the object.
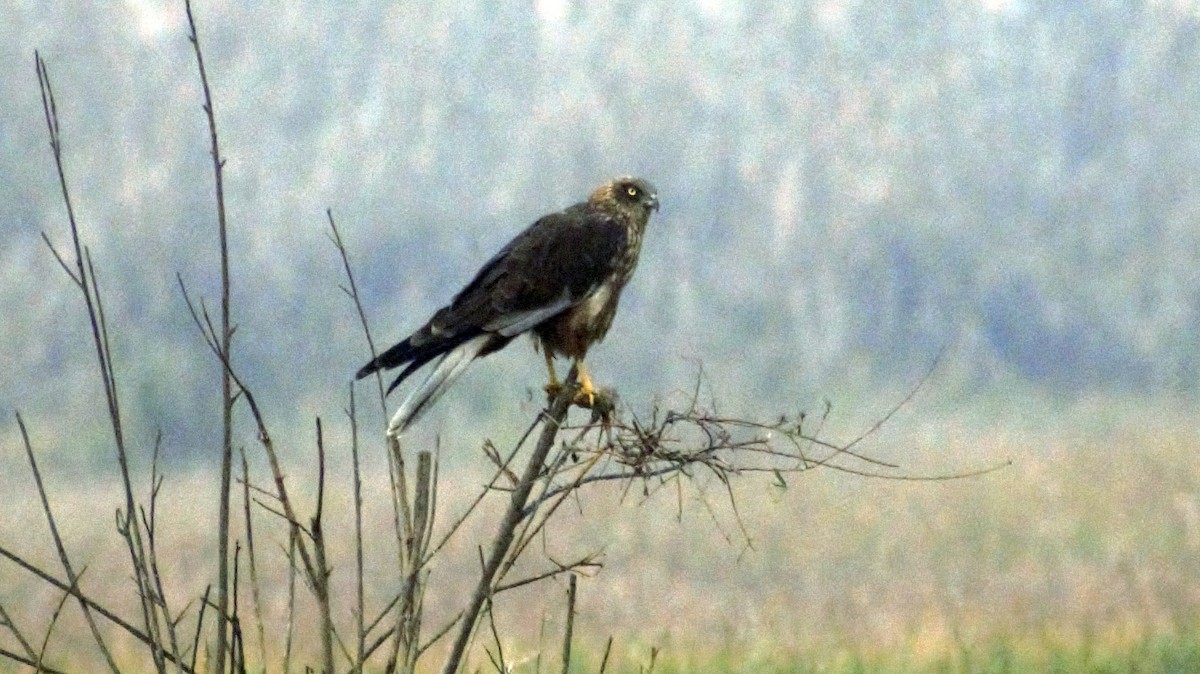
(78, 594)
(83, 276)
(34, 662)
(7, 621)
(72, 577)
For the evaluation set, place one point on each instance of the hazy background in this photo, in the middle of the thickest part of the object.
(847, 188)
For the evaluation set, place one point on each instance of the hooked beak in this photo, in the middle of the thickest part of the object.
(652, 202)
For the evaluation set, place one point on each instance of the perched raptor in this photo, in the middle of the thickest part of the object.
(560, 279)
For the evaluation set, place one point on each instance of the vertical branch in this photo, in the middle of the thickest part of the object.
(226, 343)
(150, 524)
(320, 575)
(402, 521)
(291, 619)
(84, 277)
(237, 651)
(360, 637)
(421, 506)
(409, 624)
(513, 515)
(566, 649)
(109, 374)
(432, 507)
(401, 513)
(295, 528)
(199, 628)
(126, 521)
(252, 559)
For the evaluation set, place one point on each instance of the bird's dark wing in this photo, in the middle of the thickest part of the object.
(560, 278)
(546, 269)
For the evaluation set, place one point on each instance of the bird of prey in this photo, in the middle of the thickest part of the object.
(560, 280)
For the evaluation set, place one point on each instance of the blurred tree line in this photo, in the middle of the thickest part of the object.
(847, 187)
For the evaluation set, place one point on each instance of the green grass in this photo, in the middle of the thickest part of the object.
(1159, 654)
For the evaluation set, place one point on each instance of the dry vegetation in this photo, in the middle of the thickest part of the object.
(703, 535)
(1034, 558)
(334, 596)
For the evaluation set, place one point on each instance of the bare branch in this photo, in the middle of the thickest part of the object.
(226, 344)
(319, 576)
(33, 662)
(78, 594)
(586, 562)
(7, 621)
(72, 577)
(502, 469)
(437, 636)
(504, 537)
(61, 262)
(291, 619)
(604, 659)
(199, 629)
(336, 237)
(360, 636)
(252, 558)
(84, 278)
(50, 628)
(567, 633)
(153, 576)
(498, 661)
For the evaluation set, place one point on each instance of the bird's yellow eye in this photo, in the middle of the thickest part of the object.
(631, 190)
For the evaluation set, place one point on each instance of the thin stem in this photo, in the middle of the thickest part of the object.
(567, 633)
(320, 575)
(84, 278)
(72, 577)
(218, 165)
(252, 558)
(7, 621)
(360, 604)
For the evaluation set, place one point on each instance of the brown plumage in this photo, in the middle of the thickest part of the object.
(560, 279)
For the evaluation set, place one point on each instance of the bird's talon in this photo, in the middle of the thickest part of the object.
(585, 399)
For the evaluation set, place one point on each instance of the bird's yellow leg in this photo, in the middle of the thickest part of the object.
(587, 392)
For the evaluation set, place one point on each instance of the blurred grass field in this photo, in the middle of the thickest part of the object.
(1082, 556)
(1159, 655)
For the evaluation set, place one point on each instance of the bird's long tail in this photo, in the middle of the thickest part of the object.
(448, 369)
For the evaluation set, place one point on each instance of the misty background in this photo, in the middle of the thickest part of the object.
(848, 189)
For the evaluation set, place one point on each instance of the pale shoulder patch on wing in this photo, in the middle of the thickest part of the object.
(514, 323)
(596, 302)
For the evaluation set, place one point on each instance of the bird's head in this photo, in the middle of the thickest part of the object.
(632, 195)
